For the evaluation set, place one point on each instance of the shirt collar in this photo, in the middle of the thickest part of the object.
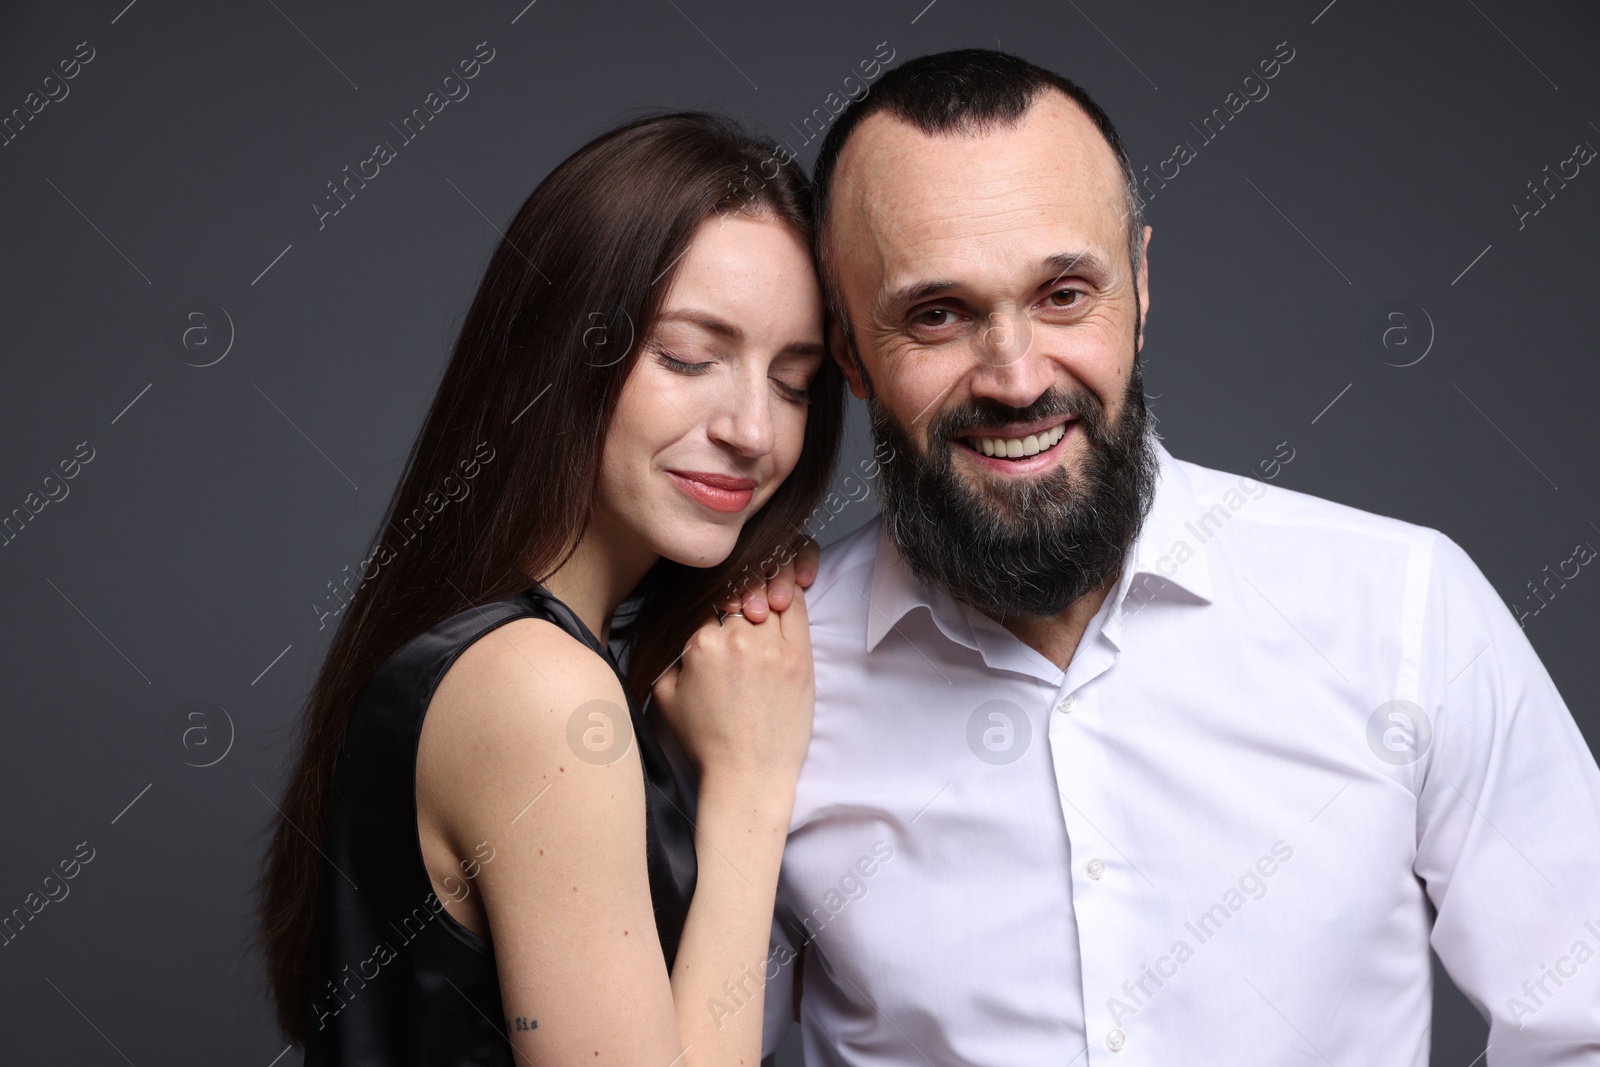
(1166, 556)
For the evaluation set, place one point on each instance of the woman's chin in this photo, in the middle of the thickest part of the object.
(709, 549)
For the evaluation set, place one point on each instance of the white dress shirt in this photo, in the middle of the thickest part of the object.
(1297, 744)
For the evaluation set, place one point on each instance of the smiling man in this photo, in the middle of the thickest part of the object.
(1117, 758)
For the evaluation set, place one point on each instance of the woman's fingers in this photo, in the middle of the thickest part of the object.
(754, 604)
(797, 571)
(805, 563)
(780, 587)
(762, 597)
(796, 624)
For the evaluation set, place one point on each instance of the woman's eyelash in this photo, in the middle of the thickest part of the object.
(672, 362)
(799, 396)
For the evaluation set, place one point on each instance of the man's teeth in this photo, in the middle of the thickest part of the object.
(1017, 447)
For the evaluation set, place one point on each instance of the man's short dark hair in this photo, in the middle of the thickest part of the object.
(967, 90)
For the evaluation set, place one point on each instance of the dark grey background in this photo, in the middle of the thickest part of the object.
(186, 562)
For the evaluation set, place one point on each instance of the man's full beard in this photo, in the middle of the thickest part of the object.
(1028, 545)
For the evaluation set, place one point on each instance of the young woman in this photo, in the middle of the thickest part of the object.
(483, 854)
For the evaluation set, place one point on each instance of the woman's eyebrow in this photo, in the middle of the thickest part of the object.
(723, 328)
(706, 321)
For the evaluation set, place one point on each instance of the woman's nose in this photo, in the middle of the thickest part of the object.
(744, 422)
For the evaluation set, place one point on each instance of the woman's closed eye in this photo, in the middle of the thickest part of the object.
(792, 373)
(792, 383)
(673, 363)
(800, 393)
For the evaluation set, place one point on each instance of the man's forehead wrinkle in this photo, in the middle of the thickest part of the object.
(987, 219)
(918, 207)
(967, 205)
(866, 211)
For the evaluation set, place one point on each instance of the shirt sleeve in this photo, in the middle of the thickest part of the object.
(1508, 823)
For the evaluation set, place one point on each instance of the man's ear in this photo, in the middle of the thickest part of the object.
(1144, 284)
(839, 348)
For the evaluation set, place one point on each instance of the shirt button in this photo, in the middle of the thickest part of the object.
(1095, 868)
(1115, 1040)
(1067, 703)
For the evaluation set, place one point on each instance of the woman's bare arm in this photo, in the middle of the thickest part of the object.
(566, 895)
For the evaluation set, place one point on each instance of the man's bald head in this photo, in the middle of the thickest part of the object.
(964, 92)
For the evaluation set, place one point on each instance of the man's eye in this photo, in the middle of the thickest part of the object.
(934, 317)
(1063, 298)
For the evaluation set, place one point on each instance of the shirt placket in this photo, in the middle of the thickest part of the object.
(1100, 872)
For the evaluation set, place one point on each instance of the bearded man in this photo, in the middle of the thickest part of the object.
(1117, 758)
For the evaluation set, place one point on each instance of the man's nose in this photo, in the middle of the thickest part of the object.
(1011, 369)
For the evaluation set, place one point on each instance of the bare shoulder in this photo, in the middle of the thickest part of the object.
(521, 673)
(501, 723)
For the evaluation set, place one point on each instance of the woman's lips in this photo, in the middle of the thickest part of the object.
(719, 492)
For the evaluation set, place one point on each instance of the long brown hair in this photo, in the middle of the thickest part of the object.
(499, 484)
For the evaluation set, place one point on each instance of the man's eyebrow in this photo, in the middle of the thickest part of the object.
(1060, 264)
(1081, 262)
(723, 328)
(916, 291)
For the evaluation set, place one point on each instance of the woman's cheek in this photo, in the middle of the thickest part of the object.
(675, 404)
(794, 439)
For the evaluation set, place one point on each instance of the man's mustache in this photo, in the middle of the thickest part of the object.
(984, 412)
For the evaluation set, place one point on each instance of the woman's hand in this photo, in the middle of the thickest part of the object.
(740, 700)
(799, 570)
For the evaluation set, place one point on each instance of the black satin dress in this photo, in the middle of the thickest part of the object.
(395, 979)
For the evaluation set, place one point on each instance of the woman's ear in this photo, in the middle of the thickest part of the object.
(839, 348)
